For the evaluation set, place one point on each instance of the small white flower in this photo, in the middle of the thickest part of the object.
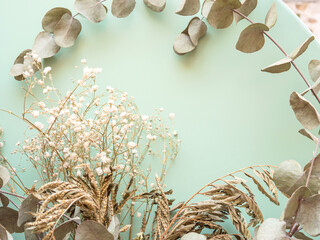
(81, 99)
(138, 214)
(152, 185)
(144, 117)
(41, 104)
(83, 61)
(45, 91)
(78, 173)
(172, 116)
(131, 145)
(1, 144)
(18, 143)
(46, 70)
(35, 114)
(161, 109)
(99, 171)
(94, 88)
(39, 125)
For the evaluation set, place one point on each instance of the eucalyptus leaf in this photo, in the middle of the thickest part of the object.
(93, 10)
(155, 5)
(272, 16)
(122, 8)
(17, 70)
(221, 13)
(246, 8)
(67, 30)
(28, 206)
(188, 7)
(306, 114)
(193, 236)
(29, 235)
(282, 65)
(302, 236)
(4, 175)
(8, 219)
(3, 233)
(91, 230)
(52, 17)
(63, 229)
(114, 227)
(293, 204)
(20, 58)
(308, 134)
(314, 69)
(316, 86)
(302, 48)
(196, 29)
(272, 229)
(183, 44)
(44, 45)
(206, 6)
(4, 200)
(251, 38)
(309, 215)
(286, 174)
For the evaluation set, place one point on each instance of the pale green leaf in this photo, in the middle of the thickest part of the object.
(122, 8)
(52, 17)
(302, 48)
(246, 8)
(155, 5)
(251, 38)
(188, 7)
(304, 111)
(44, 45)
(183, 44)
(92, 230)
(282, 65)
(272, 16)
(93, 10)
(314, 69)
(67, 30)
(221, 13)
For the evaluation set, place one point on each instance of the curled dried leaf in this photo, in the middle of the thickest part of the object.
(246, 8)
(282, 65)
(302, 48)
(314, 69)
(304, 111)
(183, 44)
(251, 38)
(93, 10)
(155, 5)
(308, 134)
(44, 45)
(52, 17)
(272, 16)
(188, 7)
(196, 29)
(4, 176)
(67, 30)
(221, 13)
(122, 8)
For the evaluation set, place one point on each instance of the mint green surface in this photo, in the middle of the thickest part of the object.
(229, 114)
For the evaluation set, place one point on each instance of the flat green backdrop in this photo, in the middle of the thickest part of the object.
(229, 114)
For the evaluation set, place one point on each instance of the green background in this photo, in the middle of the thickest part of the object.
(229, 114)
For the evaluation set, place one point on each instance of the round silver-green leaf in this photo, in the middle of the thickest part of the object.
(52, 17)
(188, 7)
(67, 30)
(122, 8)
(8, 219)
(272, 229)
(314, 69)
(44, 45)
(92, 230)
(93, 10)
(251, 38)
(28, 206)
(196, 30)
(155, 5)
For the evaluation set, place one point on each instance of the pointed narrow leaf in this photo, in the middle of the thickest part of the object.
(3, 233)
(17, 70)
(246, 8)
(272, 16)
(286, 174)
(92, 230)
(282, 65)
(221, 13)
(308, 134)
(309, 215)
(306, 114)
(4, 175)
(93, 10)
(28, 206)
(314, 69)
(8, 219)
(188, 7)
(122, 8)
(155, 5)
(52, 17)
(302, 48)
(206, 6)
(251, 38)
(20, 58)
(66, 31)
(196, 29)
(4, 200)
(44, 45)
(183, 44)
